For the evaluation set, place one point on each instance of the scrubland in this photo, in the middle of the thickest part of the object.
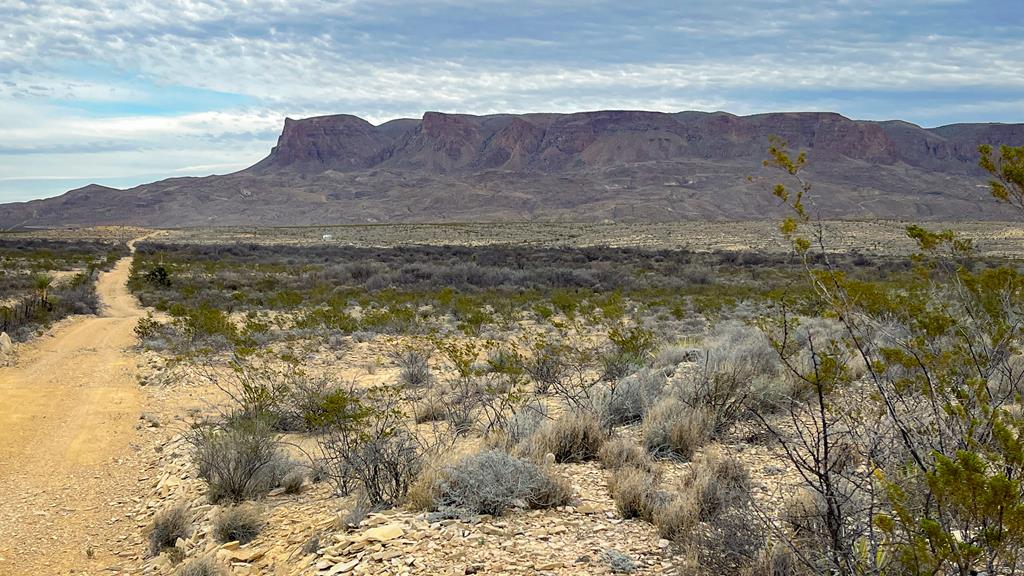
(554, 409)
(43, 280)
(788, 404)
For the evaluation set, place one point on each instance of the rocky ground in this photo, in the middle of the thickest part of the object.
(305, 533)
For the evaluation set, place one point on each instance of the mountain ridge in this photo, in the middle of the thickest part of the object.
(623, 165)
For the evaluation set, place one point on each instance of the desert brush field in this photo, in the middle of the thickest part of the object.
(508, 399)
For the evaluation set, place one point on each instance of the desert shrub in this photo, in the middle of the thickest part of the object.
(955, 445)
(169, 525)
(242, 523)
(622, 453)
(493, 481)
(297, 403)
(205, 324)
(630, 349)
(618, 562)
(239, 460)
(673, 429)
(626, 400)
(740, 370)
(513, 433)
(157, 276)
(414, 367)
(147, 328)
(204, 566)
(546, 366)
(635, 492)
(575, 437)
(366, 444)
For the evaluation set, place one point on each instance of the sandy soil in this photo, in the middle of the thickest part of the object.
(68, 414)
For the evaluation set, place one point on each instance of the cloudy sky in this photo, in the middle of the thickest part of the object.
(122, 92)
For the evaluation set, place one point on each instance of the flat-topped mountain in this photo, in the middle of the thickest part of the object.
(589, 166)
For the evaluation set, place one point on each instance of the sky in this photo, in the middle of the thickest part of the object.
(124, 92)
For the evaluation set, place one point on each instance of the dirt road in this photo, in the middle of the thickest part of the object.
(68, 414)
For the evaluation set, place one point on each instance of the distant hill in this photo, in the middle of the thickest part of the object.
(590, 166)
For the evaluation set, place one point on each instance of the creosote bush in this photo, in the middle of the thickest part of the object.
(366, 445)
(169, 525)
(492, 481)
(242, 523)
(239, 459)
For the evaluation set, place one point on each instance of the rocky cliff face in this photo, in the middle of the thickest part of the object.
(620, 165)
(444, 143)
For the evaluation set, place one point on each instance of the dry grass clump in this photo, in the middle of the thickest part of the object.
(169, 525)
(716, 481)
(710, 515)
(431, 408)
(242, 523)
(626, 400)
(804, 514)
(673, 429)
(676, 518)
(295, 479)
(635, 492)
(621, 453)
(575, 437)
(205, 566)
(425, 489)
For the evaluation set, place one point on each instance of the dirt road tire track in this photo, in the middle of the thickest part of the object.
(68, 415)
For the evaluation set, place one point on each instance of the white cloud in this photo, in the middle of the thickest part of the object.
(67, 67)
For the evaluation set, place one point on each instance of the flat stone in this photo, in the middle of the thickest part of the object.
(342, 568)
(384, 533)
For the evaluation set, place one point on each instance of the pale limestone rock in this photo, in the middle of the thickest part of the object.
(384, 533)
